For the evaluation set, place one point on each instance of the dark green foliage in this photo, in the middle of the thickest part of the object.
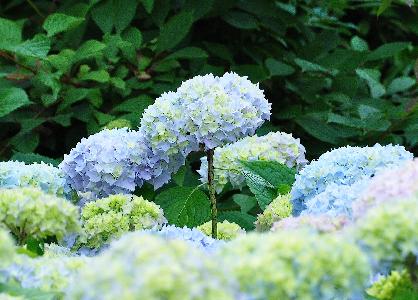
(337, 72)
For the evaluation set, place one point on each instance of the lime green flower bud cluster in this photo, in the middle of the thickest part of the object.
(389, 232)
(278, 209)
(29, 212)
(296, 265)
(226, 230)
(6, 248)
(110, 217)
(119, 123)
(387, 287)
(275, 146)
(142, 266)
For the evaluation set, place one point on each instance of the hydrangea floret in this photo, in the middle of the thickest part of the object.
(316, 223)
(343, 166)
(29, 212)
(226, 230)
(14, 174)
(143, 266)
(110, 217)
(105, 163)
(296, 265)
(278, 209)
(389, 185)
(275, 146)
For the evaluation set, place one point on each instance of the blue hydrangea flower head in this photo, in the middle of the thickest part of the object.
(343, 166)
(106, 163)
(14, 174)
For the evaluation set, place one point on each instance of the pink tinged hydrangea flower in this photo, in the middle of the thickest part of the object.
(316, 223)
(106, 163)
(389, 185)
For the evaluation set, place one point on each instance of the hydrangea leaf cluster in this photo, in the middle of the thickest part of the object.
(110, 217)
(275, 146)
(7, 249)
(316, 223)
(386, 287)
(105, 163)
(14, 174)
(31, 212)
(143, 266)
(278, 209)
(226, 230)
(296, 265)
(343, 166)
(45, 272)
(389, 232)
(400, 182)
(193, 237)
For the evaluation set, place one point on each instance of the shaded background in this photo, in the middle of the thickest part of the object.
(337, 72)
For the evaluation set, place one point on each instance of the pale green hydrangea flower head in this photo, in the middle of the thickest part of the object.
(141, 266)
(275, 146)
(296, 265)
(29, 212)
(386, 287)
(389, 232)
(6, 248)
(110, 217)
(226, 230)
(119, 123)
(278, 209)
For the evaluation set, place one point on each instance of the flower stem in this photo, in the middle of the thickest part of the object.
(212, 197)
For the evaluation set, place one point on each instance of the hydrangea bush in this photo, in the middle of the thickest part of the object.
(343, 166)
(226, 230)
(110, 217)
(278, 209)
(275, 146)
(14, 174)
(29, 212)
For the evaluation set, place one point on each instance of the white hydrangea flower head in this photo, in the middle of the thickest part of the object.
(275, 146)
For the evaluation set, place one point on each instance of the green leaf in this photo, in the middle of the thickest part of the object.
(358, 44)
(16, 290)
(385, 4)
(278, 68)
(401, 84)
(308, 66)
(30, 158)
(57, 22)
(255, 73)
(37, 47)
(10, 33)
(388, 50)
(188, 53)
(99, 76)
(241, 20)
(184, 206)
(111, 14)
(89, 49)
(174, 31)
(244, 220)
(372, 78)
(135, 105)
(134, 36)
(148, 5)
(25, 142)
(245, 202)
(319, 129)
(11, 99)
(265, 178)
